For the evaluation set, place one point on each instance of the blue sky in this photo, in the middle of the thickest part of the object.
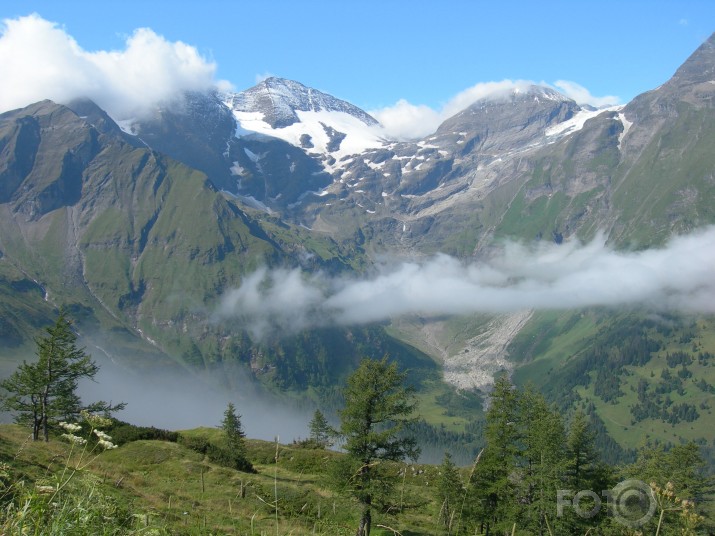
(375, 53)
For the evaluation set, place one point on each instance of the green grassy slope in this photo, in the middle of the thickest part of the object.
(649, 378)
(170, 487)
(669, 189)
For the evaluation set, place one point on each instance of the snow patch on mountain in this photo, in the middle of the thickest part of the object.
(315, 127)
(250, 201)
(318, 123)
(577, 122)
(128, 126)
(279, 100)
(626, 127)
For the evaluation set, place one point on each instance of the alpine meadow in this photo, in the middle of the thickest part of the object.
(269, 311)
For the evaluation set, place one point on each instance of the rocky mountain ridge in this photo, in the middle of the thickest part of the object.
(279, 100)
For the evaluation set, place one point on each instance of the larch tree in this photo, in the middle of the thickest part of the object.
(378, 410)
(321, 433)
(492, 490)
(583, 471)
(44, 392)
(542, 461)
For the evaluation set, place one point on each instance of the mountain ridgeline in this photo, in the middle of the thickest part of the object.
(139, 228)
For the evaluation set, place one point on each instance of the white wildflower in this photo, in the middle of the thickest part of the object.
(106, 445)
(70, 427)
(74, 439)
(97, 421)
(102, 436)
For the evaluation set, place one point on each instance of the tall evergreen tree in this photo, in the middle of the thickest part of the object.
(378, 409)
(542, 460)
(493, 489)
(449, 493)
(44, 392)
(582, 457)
(583, 472)
(321, 432)
(232, 427)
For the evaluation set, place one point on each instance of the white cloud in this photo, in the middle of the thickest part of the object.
(39, 60)
(547, 276)
(270, 299)
(264, 76)
(583, 96)
(492, 91)
(406, 121)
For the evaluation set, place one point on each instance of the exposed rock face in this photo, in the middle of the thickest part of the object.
(197, 131)
(279, 99)
(691, 81)
(44, 152)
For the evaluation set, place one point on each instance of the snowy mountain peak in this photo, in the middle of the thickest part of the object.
(523, 93)
(512, 109)
(546, 92)
(318, 123)
(279, 100)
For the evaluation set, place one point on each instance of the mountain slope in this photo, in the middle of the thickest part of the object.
(89, 213)
(196, 131)
(140, 243)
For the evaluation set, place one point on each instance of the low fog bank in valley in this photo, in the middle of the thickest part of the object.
(178, 399)
(678, 276)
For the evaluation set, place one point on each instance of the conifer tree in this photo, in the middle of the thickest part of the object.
(378, 410)
(582, 458)
(583, 472)
(321, 432)
(44, 392)
(449, 493)
(492, 491)
(235, 436)
(542, 460)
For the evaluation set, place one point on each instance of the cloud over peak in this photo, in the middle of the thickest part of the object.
(406, 121)
(583, 96)
(43, 61)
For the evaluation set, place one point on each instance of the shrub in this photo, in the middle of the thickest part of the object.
(197, 444)
(228, 458)
(123, 432)
(217, 454)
